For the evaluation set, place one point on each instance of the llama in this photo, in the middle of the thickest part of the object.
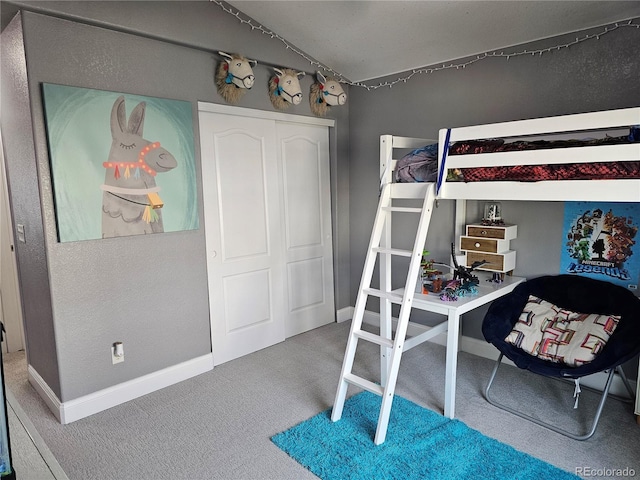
(324, 93)
(130, 202)
(284, 88)
(234, 76)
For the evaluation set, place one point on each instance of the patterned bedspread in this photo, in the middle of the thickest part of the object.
(421, 165)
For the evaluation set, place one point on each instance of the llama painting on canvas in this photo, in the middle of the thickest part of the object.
(131, 204)
(121, 164)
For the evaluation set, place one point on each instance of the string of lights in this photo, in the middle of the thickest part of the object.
(426, 70)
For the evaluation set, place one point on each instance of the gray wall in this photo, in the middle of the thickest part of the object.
(148, 291)
(77, 296)
(593, 75)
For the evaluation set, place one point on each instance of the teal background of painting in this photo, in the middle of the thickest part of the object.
(574, 210)
(79, 134)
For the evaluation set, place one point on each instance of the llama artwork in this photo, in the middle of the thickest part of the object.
(234, 76)
(325, 93)
(284, 88)
(131, 204)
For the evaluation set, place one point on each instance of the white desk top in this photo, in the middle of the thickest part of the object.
(487, 292)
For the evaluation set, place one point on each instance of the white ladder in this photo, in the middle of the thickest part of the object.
(391, 348)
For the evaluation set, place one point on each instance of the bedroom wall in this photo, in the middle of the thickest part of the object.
(593, 75)
(148, 291)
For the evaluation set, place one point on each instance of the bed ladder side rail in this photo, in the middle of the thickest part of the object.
(391, 346)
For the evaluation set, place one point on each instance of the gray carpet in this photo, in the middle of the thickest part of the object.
(218, 425)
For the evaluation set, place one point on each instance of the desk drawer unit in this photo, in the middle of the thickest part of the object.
(504, 232)
(498, 262)
(491, 245)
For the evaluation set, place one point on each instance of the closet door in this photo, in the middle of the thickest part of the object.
(303, 152)
(242, 211)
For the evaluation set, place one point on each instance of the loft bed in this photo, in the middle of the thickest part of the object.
(604, 168)
(603, 146)
(614, 154)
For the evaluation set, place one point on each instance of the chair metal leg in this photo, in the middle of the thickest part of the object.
(589, 434)
(625, 380)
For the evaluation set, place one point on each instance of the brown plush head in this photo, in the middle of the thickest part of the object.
(234, 76)
(325, 93)
(284, 88)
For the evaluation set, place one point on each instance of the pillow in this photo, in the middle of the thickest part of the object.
(552, 333)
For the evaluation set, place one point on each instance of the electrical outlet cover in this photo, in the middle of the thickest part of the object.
(114, 358)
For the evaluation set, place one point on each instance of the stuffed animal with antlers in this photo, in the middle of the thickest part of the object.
(234, 76)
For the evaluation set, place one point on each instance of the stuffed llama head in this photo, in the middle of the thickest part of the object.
(234, 76)
(324, 93)
(284, 88)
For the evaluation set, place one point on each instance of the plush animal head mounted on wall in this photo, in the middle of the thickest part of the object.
(284, 88)
(324, 93)
(234, 76)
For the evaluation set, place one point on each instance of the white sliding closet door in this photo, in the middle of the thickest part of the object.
(243, 234)
(304, 156)
(268, 231)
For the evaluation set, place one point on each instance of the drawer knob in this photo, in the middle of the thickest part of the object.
(483, 232)
(477, 244)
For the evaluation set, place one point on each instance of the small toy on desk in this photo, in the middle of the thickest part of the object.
(464, 283)
(462, 273)
(492, 214)
(431, 277)
(497, 277)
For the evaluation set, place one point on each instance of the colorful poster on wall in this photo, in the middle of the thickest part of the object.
(120, 164)
(601, 241)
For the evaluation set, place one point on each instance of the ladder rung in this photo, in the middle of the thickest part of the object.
(364, 383)
(403, 209)
(373, 338)
(394, 251)
(393, 297)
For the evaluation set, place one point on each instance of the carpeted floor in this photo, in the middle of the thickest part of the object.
(219, 425)
(423, 445)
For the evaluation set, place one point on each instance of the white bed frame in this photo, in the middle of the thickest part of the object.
(622, 190)
(381, 250)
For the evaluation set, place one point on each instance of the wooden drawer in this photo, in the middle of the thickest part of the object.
(491, 245)
(504, 232)
(498, 262)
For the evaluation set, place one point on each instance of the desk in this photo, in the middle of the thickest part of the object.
(487, 292)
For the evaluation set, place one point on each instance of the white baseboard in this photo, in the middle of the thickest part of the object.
(344, 314)
(72, 410)
(484, 349)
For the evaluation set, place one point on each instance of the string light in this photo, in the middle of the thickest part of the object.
(426, 70)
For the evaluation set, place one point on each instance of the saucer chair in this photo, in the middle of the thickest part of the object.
(575, 294)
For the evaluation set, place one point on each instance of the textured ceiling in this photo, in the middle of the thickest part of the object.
(369, 39)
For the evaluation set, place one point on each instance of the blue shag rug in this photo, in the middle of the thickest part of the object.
(420, 444)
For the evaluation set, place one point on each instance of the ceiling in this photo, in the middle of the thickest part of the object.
(368, 39)
(363, 40)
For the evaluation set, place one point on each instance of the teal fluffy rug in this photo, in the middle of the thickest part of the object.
(420, 444)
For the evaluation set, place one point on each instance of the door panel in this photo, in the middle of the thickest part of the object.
(241, 314)
(243, 234)
(304, 159)
(302, 182)
(241, 193)
(305, 283)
